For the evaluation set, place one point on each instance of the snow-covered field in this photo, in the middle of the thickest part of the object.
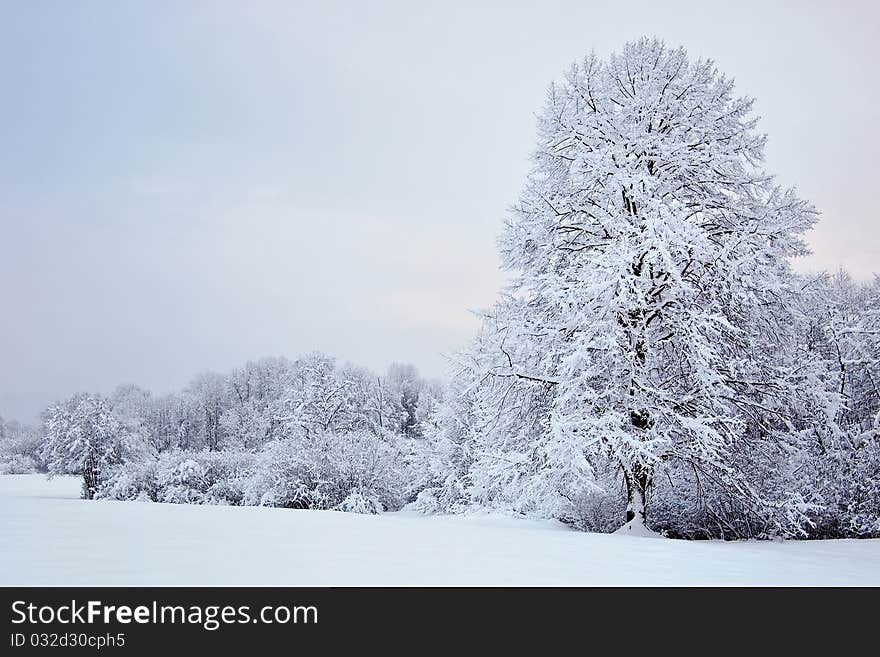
(50, 537)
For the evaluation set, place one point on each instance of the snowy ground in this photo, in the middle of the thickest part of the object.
(48, 536)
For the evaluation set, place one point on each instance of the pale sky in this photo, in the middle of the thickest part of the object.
(188, 185)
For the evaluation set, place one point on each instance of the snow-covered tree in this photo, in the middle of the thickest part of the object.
(649, 254)
(256, 390)
(205, 399)
(849, 316)
(405, 385)
(840, 326)
(20, 446)
(83, 436)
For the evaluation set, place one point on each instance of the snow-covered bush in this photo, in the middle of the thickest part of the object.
(449, 495)
(324, 471)
(183, 477)
(133, 480)
(685, 502)
(283, 477)
(355, 471)
(363, 502)
(17, 464)
(846, 482)
(226, 474)
(368, 464)
(182, 483)
(598, 508)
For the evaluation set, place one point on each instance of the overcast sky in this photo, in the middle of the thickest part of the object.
(186, 186)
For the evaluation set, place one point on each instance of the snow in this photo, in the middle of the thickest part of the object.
(636, 527)
(50, 537)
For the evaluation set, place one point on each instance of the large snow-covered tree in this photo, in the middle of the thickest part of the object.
(649, 256)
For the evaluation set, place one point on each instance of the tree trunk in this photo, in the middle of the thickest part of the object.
(637, 483)
(90, 475)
